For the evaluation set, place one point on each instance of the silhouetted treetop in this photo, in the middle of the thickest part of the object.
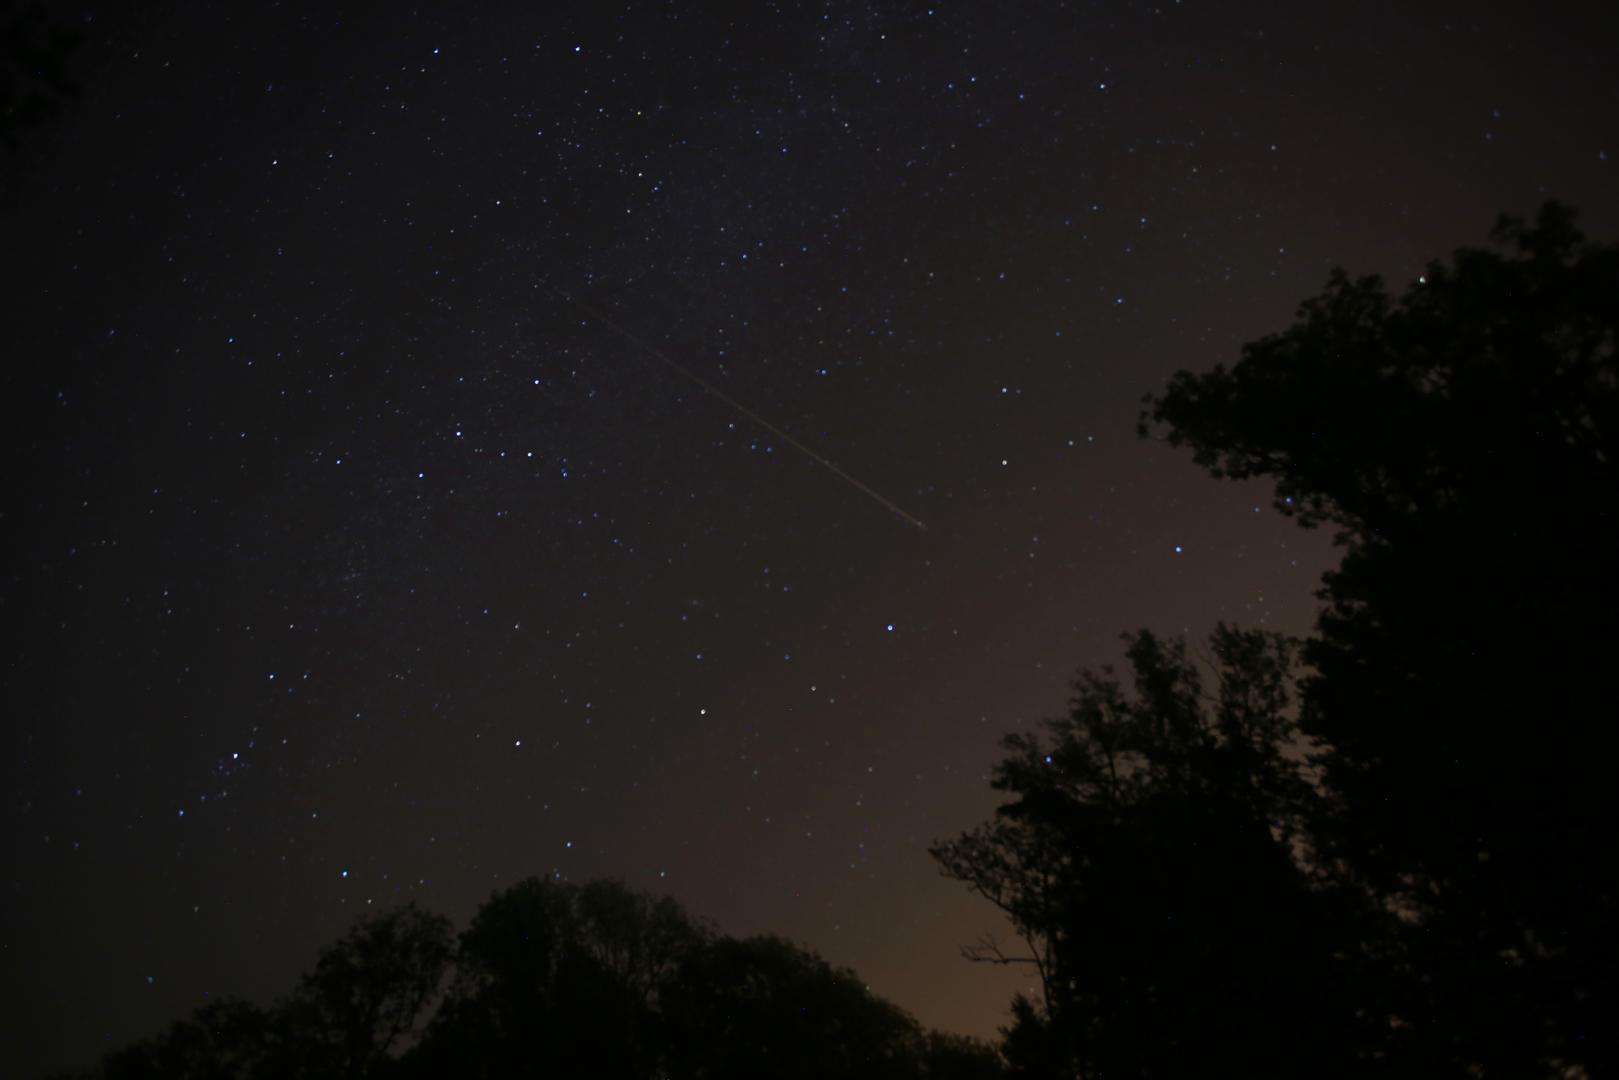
(556, 979)
(765, 1007)
(370, 993)
(1145, 856)
(1490, 374)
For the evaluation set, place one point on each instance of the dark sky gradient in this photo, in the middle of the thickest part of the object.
(355, 566)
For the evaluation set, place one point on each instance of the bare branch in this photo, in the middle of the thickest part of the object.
(987, 950)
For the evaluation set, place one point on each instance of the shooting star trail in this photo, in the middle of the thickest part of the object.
(653, 350)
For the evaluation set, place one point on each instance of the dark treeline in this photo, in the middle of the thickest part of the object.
(1376, 852)
(554, 979)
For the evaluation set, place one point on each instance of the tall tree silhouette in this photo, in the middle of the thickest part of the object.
(558, 979)
(1147, 858)
(1462, 440)
(368, 995)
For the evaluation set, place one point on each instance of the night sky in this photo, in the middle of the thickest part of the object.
(354, 564)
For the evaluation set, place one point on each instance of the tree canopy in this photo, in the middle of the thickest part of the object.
(1146, 857)
(1462, 439)
(1382, 861)
(557, 979)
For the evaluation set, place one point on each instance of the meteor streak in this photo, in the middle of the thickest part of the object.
(653, 350)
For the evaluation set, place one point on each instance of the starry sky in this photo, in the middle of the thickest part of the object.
(355, 563)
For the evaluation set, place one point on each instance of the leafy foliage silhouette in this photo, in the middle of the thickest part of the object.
(349, 1017)
(553, 976)
(1461, 439)
(764, 1007)
(555, 979)
(1147, 858)
(1398, 874)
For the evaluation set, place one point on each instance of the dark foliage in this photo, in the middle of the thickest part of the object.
(553, 979)
(370, 993)
(1147, 858)
(764, 1007)
(1461, 439)
(560, 978)
(1409, 880)
(222, 1041)
(956, 1057)
(349, 1017)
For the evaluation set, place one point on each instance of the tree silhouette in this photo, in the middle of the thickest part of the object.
(559, 979)
(764, 1007)
(368, 994)
(554, 979)
(957, 1057)
(1147, 858)
(1462, 440)
(227, 1039)
(349, 1017)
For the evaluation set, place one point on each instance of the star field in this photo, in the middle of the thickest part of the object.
(356, 564)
